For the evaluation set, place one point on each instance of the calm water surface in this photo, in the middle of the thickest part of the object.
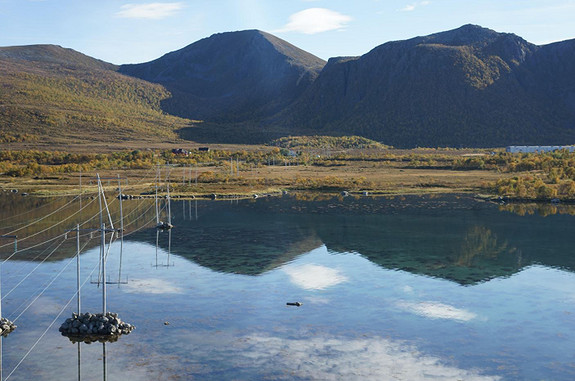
(392, 289)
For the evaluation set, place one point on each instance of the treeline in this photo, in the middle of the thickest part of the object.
(45, 163)
(327, 142)
(551, 175)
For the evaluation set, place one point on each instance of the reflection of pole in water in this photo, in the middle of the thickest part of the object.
(104, 365)
(158, 264)
(79, 362)
(157, 209)
(169, 245)
(157, 242)
(196, 210)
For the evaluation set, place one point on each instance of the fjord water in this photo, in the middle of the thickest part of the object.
(401, 288)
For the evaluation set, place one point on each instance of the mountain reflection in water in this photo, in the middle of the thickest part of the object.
(455, 238)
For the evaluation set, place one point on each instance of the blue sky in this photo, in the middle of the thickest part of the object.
(134, 31)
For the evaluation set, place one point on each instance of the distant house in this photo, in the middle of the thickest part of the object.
(205, 149)
(533, 149)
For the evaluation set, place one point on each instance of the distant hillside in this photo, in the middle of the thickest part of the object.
(466, 87)
(53, 55)
(55, 95)
(231, 77)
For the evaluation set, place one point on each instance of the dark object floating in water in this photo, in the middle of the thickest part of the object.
(6, 327)
(89, 328)
(166, 323)
(297, 304)
(164, 225)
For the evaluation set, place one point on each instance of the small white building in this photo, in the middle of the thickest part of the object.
(533, 149)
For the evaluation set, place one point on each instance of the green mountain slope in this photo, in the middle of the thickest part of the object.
(56, 95)
(466, 87)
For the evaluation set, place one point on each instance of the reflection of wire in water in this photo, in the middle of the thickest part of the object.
(19, 270)
(34, 269)
(35, 210)
(49, 326)
(48, 228)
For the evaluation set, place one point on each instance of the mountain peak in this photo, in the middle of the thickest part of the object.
(232, 76)
(468, 34)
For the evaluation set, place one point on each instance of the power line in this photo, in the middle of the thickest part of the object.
(33, 259)
(46, 216)
(47, 329)
(35, 268)
(50, 227)
(41, 287)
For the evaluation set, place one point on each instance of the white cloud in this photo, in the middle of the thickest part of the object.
(149, 10)
(437, 311)
(314, 277)
(315, 20)
(151, 286)
(412, 7)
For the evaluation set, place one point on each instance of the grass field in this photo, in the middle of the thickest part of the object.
(352, 170)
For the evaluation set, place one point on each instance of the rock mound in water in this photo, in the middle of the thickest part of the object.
(6, 327)
(88, 327)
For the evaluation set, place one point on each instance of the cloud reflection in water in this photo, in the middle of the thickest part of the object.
(314, 277)
(334, 358)
(437, 311)
(151, 286)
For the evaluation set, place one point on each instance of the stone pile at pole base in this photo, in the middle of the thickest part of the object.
(6, 327)
(89, 328)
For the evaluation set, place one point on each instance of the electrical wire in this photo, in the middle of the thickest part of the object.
(15, 273)
(41, 287)
(43, 218)
(34, 269)
(47, 329)
(53, 226)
